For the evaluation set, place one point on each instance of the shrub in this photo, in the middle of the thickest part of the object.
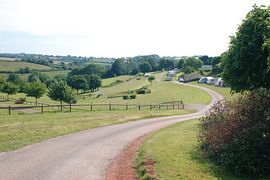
(125, 97)
(133, 96)
(236, 135)
(143, 90)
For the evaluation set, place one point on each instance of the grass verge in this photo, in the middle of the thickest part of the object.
(20, 130)
(174, 152)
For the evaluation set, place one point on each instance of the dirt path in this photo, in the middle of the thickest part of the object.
(83, 155)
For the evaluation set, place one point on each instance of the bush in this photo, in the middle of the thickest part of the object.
(133, 96)
(125, 97)
(236, 135)
(143, 90)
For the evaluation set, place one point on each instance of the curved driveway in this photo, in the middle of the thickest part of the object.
(83, 155)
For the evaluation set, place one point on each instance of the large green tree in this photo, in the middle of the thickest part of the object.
(145, 67)
(60, 91)
(77, 82)
(246, 65)
(9, 88)
(36, 89)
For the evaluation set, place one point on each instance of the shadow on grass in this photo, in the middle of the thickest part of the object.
(209, 167)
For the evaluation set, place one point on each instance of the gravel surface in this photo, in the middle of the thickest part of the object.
(83, 155)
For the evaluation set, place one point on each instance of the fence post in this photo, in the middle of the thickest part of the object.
(110, 106)
(91, 106)
(9, 110)
(151, 106)
(139, 106)
(126, 106)
(167, 106)
(70, 107)
(173, 106)
(41, 108)
(178, 105)
(159, 106)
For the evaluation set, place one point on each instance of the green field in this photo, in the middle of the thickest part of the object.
(162, 91)
(16, 65)
(19, 130)
(174, 151)
(111, 81)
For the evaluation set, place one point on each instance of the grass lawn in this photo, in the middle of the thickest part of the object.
(20, 130)
(110, 81)
(224, 91)
(174, 151)
(161, 91)
(16, 65)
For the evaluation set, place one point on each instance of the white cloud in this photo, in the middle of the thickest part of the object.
(128, 27)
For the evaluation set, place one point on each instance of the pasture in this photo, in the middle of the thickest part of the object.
(13, 66)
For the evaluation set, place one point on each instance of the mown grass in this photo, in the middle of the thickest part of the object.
(224, 91)
(161, 91)
(174, 151)
(16, 65)
(110, 81)
(20, 130)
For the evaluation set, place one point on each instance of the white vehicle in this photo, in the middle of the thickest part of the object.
(147, 74)
(211, 80)
(203, 80)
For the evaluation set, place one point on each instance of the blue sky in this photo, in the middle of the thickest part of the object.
(120, 28)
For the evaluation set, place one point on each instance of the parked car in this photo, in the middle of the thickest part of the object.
(220, 83)
(181, 80)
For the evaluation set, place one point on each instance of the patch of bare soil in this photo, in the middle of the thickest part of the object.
(122, 167)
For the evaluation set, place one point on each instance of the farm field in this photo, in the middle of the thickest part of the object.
(7, 59)
(174, 152)
(19, 130)
(16, 65)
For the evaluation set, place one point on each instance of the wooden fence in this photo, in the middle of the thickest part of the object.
(92, 107)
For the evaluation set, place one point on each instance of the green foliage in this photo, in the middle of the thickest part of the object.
(36, 89)
(2, 80)
(37, 76)
(60, 91)
(180, 63)
(145, 67)
(94, 82)
(14, 78)
(89, 70)
(78, 82)
(151, 79)
(246, 62)
(191, 63)
(236, 134)
(9, 88)
(166, 64)
(119, 67)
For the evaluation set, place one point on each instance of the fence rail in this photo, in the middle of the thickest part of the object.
(97, 106)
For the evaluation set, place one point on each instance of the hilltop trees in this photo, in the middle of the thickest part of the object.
(246, 64)
(145, 67)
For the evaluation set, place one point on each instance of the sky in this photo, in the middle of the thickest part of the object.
(120, 28)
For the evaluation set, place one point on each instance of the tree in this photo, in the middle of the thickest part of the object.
(145, 67)
(166, 64)
(192, 63)
(14, 78)
(94, 82)
(2, 80)
(36, 89)
(60, 91)
(246, 65)
(151, 79)
(77, 82)
(180, 63)
(118, 67)
(9, 88)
